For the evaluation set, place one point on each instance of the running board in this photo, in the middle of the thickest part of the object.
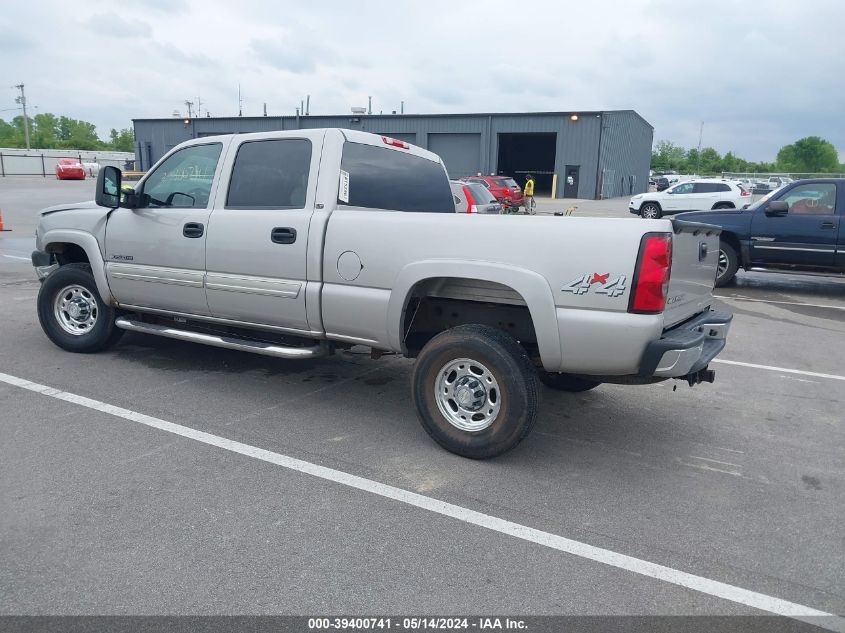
(228, 342)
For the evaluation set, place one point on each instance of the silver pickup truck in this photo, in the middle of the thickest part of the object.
(294, 244)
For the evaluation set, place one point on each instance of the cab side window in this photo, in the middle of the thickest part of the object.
(392, 180)
(810, 199)
(184, 179)
(271, 174)
(687, 187)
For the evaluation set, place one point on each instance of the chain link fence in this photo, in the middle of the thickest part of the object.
(43, 162)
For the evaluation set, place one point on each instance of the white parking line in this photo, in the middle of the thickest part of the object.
(553, 541)
(780, 369)
(788, 303)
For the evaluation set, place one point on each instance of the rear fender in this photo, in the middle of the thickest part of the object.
(531, 286)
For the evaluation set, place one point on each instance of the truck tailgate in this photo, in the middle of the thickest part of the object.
(695, 254)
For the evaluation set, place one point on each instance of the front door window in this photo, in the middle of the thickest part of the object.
(184, 179)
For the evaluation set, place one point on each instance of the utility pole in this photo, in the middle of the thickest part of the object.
(190, 105)
(369, 105)
(265, 108)
(698, 161)
(22, 101)
(307, 105)
(240, 102)
(401, 107)
(199, 107)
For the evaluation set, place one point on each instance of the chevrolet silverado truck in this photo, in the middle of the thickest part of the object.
(798, 228)
(295, 244)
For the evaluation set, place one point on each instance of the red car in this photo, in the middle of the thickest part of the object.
(70, 169)
(503, 188)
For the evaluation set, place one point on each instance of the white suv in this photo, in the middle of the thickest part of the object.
(691, 195)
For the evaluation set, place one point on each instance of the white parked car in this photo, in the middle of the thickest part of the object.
(692, 195)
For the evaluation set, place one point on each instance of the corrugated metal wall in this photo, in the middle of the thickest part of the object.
(625, 138)
(625, 153)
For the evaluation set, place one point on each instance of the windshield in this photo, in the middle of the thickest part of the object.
(768, 196)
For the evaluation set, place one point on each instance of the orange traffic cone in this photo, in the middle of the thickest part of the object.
(2, 228)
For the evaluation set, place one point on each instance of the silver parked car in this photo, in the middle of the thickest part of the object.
(471, 197)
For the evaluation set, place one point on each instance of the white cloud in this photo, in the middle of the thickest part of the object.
(757, 77)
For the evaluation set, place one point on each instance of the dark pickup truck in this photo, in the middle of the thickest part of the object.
(798, 228)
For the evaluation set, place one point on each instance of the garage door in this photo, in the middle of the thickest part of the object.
(460, 152)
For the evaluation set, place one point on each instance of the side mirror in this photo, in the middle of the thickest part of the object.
(108, 187)
(777, 208)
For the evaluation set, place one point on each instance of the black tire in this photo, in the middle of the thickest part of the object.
(728, 264)
(651, 211)
(566, 382)
(723, 205)
(101, 334)
(513, 382)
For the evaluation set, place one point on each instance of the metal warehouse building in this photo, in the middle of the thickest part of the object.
(571, 154)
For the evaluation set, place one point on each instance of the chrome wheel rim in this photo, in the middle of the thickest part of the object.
(467, 394)
(722, 266)
(76, 310)
(649, 212)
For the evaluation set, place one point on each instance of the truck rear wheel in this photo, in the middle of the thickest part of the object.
(72, 313)
(566, 382)
(475, 390)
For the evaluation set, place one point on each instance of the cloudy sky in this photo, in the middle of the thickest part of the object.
(759, 73)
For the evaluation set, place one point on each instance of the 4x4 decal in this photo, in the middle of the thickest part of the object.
(603, 285)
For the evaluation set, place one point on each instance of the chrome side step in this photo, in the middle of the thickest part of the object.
(228, 342)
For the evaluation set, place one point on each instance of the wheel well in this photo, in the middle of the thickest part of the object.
(439, 304)
(68, 253)
(645, 202)
(733, 240)
(724, 205)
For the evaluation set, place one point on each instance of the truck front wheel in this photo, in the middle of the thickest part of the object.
(475, 390)
(72, 313)
(727, 266)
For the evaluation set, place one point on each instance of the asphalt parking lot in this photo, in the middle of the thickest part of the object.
(739, 483)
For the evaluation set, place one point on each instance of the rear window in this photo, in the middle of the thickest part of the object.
(382, 178)
(506, 182)
(480, 193)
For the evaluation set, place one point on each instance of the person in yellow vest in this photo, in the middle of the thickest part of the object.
(528, 192)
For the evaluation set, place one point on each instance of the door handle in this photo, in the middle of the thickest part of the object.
(283, 235)
(827, 225)
(193, 229)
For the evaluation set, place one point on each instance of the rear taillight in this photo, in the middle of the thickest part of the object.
(470, 201)
(745, 193)
(651, 278)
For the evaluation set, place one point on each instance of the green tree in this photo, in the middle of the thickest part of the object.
(122, 141)
(711, 161)
(44, 130)
(810, 155)
(667, 155)
(730, 162)
(9, 135)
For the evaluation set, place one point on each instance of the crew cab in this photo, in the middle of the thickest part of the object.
(289, 244)
(690, 195)
(797, 228)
